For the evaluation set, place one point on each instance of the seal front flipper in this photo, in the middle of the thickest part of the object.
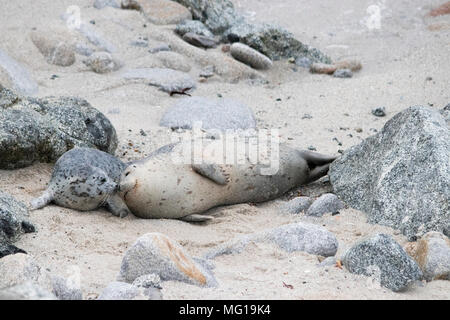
(117, 206)
(42, 201)
(196, 218)
(212, 171)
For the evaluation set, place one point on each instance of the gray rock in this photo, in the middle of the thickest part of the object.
(298, 205)
(400, 177)
(326, 203)
(100, 4)
(343, 73)
(167, 80)
(155, 253)
(54, 47)
(219, 114)
(299, 236)
(44, 129)
(193, 26)
(13, 223)
(249, 56)
(102, 62)
(303, 62)
(63, 289)
(148, 281)
(274, 42)
(122, 291)
(328, 262)
(217, 15)
(20, 77)
(432, 253)
(21, 268)
(383, 258)
(26, 291)
(140, 42)
(378, 112)
(200, 41)
(306, 237)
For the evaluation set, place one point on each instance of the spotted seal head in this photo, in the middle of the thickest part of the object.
(85, 179)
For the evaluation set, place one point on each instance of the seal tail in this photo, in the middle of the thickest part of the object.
(42, 201)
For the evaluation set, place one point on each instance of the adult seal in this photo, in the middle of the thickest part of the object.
(159, 187)
(85, 179)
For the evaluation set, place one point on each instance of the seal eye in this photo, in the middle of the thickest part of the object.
(126, 174)
(103, 180)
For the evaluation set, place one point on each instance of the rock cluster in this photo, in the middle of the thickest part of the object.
(43, 129)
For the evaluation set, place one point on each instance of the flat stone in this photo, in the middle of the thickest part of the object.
(155, 253)
(250, 56)
(383, 259)
(400, 177)
(219, 114)
(167, 80)
(199, 40)
(293, 237)
(353, 65)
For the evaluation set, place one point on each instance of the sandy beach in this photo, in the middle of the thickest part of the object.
(405, 63)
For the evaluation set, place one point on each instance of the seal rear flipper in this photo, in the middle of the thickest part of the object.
(42, 201)
(318, 172)
(117, 206)
(315, 159)
(196, 218)
(212, 171)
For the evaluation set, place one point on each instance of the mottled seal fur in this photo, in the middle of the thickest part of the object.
(85, 179)
(157, 187)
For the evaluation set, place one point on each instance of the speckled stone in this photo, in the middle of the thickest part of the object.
(102, 62)
(400, 177)
(383, 258)
(44, 129)
(326, 203)
(56, 48)
(297, 205)
(193, 26)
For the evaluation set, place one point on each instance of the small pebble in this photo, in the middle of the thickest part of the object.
(379, 112)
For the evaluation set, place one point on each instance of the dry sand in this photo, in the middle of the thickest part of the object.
(397, 59)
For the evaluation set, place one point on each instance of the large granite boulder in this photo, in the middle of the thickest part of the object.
(43, 129)
(401, 176)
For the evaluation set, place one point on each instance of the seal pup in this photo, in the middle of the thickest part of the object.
(158, 187)
(85, 179)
